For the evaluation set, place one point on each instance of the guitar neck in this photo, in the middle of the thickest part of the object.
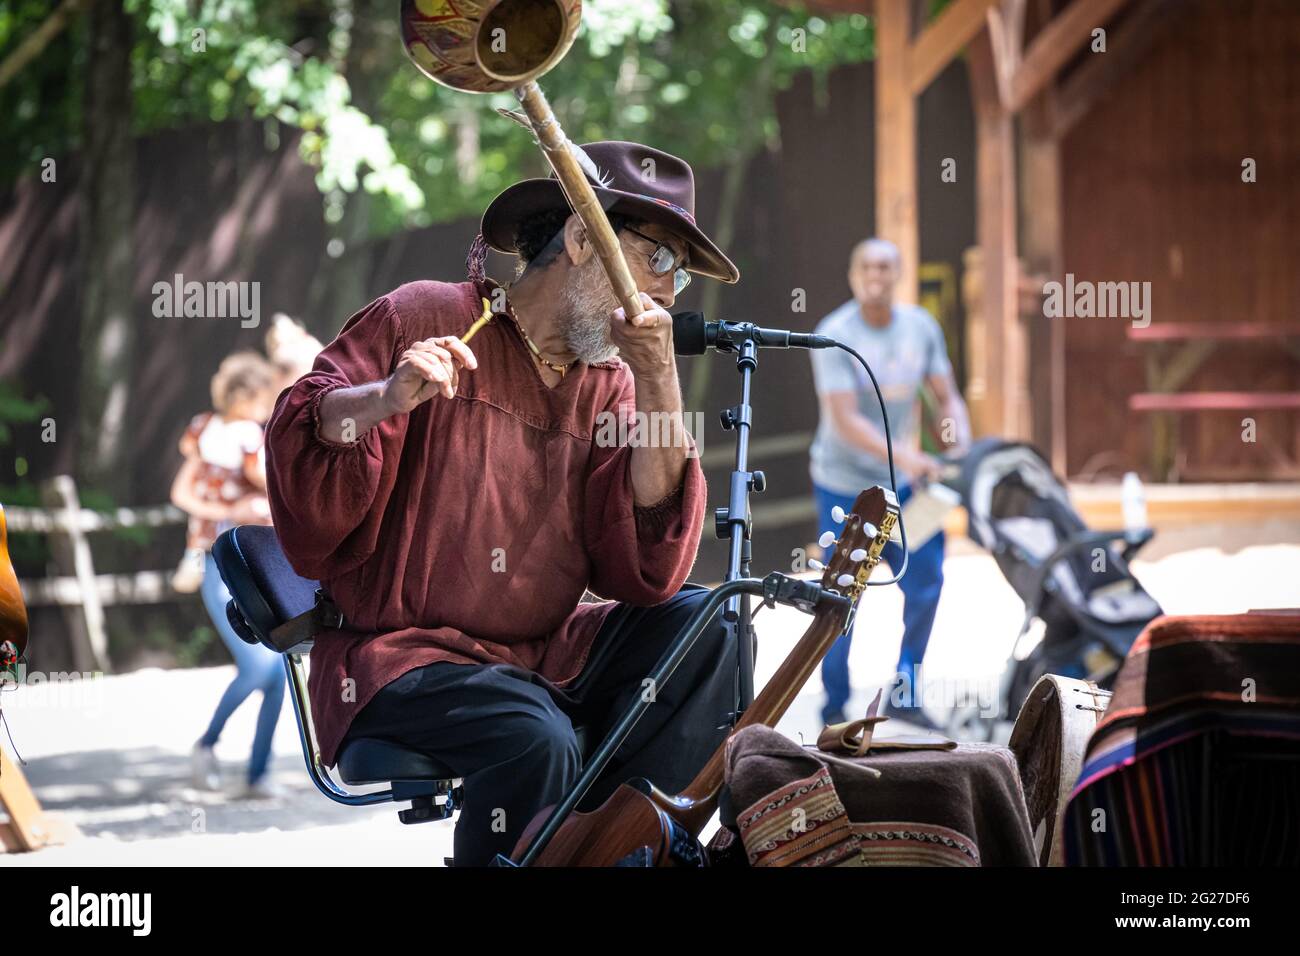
(855, 556)
(699, 800)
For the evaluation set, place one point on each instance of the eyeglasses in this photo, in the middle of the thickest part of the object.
(663, 260)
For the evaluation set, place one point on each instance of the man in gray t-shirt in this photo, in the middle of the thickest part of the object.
(905, 348)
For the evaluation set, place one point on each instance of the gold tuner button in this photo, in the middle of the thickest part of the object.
(827, 539)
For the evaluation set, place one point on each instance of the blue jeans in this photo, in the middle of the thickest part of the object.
(256, 668)
(921, 586)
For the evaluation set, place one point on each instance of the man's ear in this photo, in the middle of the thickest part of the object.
(576, 243)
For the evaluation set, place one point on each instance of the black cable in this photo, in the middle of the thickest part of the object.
(889, 451)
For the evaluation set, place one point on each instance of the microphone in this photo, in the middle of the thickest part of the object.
(692, 335)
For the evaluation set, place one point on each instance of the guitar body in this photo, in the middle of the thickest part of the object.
(13, 613)
(632, 820)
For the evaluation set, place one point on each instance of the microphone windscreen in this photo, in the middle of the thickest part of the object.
(688, 333)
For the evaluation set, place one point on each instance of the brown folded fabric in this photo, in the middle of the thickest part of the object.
(958, 807)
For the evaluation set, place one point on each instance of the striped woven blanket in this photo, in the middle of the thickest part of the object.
(1197, 760)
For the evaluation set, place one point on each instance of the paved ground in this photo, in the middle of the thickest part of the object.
(112, 756)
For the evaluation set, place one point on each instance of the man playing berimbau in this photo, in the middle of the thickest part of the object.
(456, 502)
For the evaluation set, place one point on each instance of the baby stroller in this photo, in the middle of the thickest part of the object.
(1073, 580)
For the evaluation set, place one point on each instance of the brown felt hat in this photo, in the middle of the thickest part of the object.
(661, 191)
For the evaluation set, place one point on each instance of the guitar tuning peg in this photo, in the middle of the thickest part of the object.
(858, 554)
(837, 514)
(844, 580)
(827, 539)
(869, 529)
(816, 565)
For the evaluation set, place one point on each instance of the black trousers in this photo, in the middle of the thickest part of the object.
(510, 733)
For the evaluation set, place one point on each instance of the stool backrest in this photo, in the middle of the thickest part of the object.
(266, 591)
(265, 588)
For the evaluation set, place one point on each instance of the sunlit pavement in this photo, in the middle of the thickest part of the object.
(112, 756)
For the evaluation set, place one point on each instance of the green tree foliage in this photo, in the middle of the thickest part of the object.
(673, 73)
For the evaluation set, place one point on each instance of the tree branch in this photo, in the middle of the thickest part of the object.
(38, 40)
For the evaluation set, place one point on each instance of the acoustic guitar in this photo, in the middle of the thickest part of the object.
(13, 613)
(639, 821)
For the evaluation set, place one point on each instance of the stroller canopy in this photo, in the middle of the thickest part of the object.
(1021, 512)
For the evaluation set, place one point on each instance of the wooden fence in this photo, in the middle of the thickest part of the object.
(74, 584)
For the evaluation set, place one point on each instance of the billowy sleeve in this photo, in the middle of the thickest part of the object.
(640, 555)
(327, 497)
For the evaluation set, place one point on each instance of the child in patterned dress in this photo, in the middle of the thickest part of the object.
(222, 483)
(223, 480)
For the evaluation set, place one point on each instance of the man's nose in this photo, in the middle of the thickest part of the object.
(663, 294)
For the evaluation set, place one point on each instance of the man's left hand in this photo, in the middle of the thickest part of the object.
(645, 342)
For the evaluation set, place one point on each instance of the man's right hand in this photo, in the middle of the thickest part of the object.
(427, 368)
(919, 466)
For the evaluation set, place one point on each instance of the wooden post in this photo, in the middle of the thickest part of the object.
(71, 551)
(896, 142)
(1042, 244)
(28, 827)
(998, 410)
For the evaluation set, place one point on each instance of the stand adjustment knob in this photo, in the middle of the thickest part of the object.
(728, 418)
(758, 481)
(721, 522)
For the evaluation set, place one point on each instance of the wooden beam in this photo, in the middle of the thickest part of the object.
(141, 587)
(1042, 242)
(1006, 54)
(943, 39)
(1055, 44)
(1212, 401)
(896, 217)
(1125, 46)
(1000, 367)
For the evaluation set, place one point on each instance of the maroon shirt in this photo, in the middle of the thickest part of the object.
(469, 529)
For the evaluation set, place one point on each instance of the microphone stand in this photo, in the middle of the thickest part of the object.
(734, 521)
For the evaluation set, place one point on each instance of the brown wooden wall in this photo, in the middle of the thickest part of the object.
(1153, 192)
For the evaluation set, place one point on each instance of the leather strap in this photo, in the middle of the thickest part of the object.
(323, 615)
(854, 737)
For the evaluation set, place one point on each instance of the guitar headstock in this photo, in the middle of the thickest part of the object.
(858, 548)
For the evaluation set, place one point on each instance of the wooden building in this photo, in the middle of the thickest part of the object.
(1117, 141)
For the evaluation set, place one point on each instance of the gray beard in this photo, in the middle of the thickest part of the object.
(584, 313)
